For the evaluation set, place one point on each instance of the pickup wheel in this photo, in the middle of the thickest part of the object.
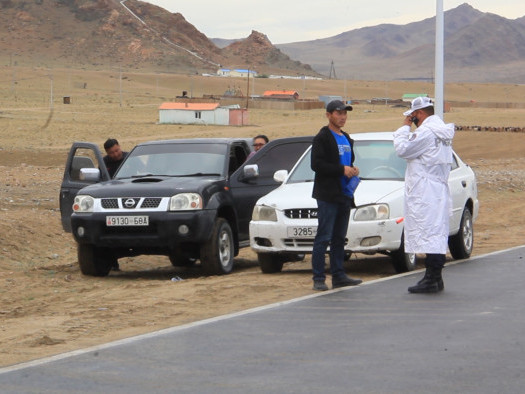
(94, 261)
(461, 244)
(179, 260)
(403, 262)
(270, 262)
(216, 255)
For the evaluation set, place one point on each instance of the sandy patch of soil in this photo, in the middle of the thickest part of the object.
(48, 307)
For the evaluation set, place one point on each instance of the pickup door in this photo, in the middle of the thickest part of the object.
(81, 155)
(279, 154)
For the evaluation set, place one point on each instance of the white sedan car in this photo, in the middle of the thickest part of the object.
(284, 222)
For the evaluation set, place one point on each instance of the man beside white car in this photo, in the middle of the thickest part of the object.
(333, 163)
(428, 152)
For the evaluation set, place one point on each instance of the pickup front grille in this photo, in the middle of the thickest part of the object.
(147, 203)
(151, 202)
(302, 213)
(109, 203)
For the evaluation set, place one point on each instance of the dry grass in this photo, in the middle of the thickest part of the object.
(40, 278)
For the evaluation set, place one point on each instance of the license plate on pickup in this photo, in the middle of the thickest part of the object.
(301, 232)
(127, 220)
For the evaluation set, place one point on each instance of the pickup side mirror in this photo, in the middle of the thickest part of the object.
(250, 171)
(280, 176)
(90, 175)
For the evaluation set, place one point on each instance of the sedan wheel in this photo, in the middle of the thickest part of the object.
(462, 243)
(403, 262)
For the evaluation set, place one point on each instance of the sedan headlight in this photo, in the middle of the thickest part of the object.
(185, 202)
(372, 212)
(83, 204)
(264, 213)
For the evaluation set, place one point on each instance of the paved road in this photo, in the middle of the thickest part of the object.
(375, 338)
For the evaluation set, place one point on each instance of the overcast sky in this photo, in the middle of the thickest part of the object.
(292, 21)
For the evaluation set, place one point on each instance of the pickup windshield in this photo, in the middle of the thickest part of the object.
(174, 160)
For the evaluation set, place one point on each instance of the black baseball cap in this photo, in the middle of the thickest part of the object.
(337, 105)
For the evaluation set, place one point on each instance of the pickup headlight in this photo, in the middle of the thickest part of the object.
(83, 204)
(372, 212)
(185, 202)
(264, 213)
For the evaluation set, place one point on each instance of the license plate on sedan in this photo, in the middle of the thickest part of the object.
(302, 232)
(127, 220)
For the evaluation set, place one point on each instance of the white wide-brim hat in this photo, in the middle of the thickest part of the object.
(419, 103)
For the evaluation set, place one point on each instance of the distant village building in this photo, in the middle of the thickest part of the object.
(411, 96)
(281, 94)
(327, 98)
(226, 72)
(202, 113)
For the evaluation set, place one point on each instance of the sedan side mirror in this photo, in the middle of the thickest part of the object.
(280, 176)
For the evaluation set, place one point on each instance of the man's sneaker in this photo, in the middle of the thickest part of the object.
(319, 285)
(345, 281)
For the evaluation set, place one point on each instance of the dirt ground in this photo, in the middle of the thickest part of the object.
(48, 307)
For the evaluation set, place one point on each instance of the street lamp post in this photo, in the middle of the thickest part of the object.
(439, 61)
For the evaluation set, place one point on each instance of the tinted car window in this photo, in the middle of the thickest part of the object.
(278, 157)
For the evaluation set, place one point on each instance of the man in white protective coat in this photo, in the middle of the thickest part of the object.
(428, 152)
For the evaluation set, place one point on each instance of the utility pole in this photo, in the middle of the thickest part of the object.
(51, 98)
(439, 65)
(332, 70)
(248, 90)
(120, 84)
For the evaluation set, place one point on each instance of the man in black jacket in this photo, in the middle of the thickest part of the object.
(332, 161)
(114, 156)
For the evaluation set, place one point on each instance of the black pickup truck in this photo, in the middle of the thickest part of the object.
(188, 199)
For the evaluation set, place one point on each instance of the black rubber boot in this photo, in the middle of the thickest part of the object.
(441, 285)
(432, 282)
(428, 284)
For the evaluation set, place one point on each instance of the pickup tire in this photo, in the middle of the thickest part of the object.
(216, 255)
(270, 262)
(180, 260)
(94, 261)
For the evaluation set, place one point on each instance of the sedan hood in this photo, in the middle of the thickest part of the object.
(299, 195)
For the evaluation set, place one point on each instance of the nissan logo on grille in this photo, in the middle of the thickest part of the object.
(129, 203)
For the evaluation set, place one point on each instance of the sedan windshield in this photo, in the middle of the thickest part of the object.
(174, 160)
(375, 159)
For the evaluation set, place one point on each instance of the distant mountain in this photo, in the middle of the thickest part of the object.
(479, 47)
(224, 42)
(257, 50)
(130, 34)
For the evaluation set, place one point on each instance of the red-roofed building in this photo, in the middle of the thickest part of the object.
(286, 94)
